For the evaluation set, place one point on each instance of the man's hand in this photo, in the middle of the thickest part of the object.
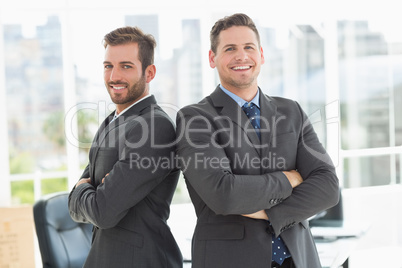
(257, 215)
(103, 180)
(86, 180)
(294, 177)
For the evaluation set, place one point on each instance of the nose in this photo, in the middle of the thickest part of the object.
(114, 75)
(241, 55)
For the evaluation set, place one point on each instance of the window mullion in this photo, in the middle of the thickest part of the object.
(5, 181)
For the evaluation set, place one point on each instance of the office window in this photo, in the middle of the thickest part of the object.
(345, 71)
(34, 92)
(370, 88)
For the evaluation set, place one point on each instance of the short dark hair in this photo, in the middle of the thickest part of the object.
(125, 35)
(238, 19)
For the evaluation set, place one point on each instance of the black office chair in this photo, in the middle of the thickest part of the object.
(62, 242)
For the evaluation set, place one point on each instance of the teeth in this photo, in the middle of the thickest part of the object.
(241, 67)
(118, 88)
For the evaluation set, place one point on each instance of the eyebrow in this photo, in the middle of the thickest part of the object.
(122, 62)
(250, 43)
(245, 44)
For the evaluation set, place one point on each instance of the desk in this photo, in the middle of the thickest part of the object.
(335, 240)
(336, 253)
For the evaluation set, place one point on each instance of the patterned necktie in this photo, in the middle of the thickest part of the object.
(279, 250)
(253, 113)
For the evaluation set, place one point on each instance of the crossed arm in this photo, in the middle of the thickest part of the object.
(228, 193)
(83, 180)
(294, 178)
(88, 180)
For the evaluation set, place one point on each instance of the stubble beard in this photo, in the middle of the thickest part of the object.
(133, 93)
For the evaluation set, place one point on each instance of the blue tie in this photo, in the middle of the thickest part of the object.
(279, 250)
(253, 113)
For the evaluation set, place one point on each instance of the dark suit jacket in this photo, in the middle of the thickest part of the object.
(230, 172)
(130, 209)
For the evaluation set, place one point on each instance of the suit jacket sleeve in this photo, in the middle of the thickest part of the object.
(320, 187)
(136, 173)
(76, 217)
(206, 166)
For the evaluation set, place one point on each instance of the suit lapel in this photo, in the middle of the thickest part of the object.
(106, 127)
(268, 119)
(96, 145)
(233, 111)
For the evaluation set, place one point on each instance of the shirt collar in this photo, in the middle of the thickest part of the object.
(122, 112)
(240, 101)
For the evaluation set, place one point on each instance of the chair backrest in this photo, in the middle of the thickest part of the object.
(62, 241)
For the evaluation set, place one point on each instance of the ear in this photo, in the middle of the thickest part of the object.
(150, 72)
(262, 56)
(212, 59)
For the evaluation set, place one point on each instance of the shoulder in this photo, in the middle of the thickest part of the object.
(280, 101)
(150, 118)
(202, 107)
(285, 105)
(158, 116)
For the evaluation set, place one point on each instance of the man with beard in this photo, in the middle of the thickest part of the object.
(121, 191)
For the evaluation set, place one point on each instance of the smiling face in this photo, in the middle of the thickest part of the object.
(238, 59)
(123, 75)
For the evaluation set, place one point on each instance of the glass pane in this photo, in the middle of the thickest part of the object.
(367, 171)
(54, 185)
(397, 98)
(398, 169)
(22, 192)
(368, 80)
(34, 93)
(296, 70)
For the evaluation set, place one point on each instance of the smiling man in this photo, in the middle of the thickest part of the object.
(249, 165)
(129, 204)
(238, 60)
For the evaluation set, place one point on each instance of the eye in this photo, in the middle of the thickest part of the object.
(127, 67)
(249, 47)
(229, 49)
(108, 66)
